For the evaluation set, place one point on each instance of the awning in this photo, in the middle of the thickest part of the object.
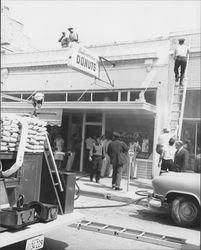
(51, 116)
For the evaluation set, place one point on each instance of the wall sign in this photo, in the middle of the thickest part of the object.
(84, 60)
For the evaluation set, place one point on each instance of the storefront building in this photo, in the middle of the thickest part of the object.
(76, 103)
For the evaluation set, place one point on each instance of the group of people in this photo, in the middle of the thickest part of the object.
(173, 154)
(66, 40)
(102, 152)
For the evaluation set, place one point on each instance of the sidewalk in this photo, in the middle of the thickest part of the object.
(104, 189)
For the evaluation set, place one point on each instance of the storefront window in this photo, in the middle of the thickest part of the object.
(73, 97)
(4, 99)
(192, 139)
(27, 95)
(124, 96)
(55, 97)
(131, 129)
(105, 96)
(192, 104)
(150, 96)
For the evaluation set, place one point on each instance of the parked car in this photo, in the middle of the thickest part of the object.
(182, 192)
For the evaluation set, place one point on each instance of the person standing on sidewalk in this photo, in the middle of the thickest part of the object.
(135, 147)
(116, 151)
(96, 155)
(181, 157)
(167, 157)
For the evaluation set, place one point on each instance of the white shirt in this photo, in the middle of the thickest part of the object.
(169, 152)
(163, 139)
(181, 50)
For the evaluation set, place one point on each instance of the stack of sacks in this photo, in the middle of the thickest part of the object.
(36, 135)
(11, 128)
(10, 132)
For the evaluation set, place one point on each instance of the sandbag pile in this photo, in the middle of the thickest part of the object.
(36, 135)
(11, 128)
(10, 133)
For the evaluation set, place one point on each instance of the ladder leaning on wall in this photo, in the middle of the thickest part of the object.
(178, 99)
(54, 174)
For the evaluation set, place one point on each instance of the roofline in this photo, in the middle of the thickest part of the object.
(159, 38)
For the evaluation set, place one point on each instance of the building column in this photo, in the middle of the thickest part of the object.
(155, 169)
(82, 143)
(103, 123)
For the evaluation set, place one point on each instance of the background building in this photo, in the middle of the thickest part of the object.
(13, 38)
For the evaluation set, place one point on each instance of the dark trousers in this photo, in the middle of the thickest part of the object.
(180, 62)
(116, 176)
(96, 167)
(167, 164)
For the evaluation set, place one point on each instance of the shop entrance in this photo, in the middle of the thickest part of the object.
(91, 130)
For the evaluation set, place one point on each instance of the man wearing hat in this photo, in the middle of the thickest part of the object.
(180, 56)
(73, 37)
(181, 157)
(116, 151)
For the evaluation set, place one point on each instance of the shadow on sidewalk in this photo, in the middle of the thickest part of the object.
(97, 185)
(140, 184)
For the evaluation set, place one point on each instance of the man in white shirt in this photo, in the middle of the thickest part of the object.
(73, 36)
(180, 56)
(163, 139)
(167, 156)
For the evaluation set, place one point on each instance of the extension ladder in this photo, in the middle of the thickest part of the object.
(54, 174)
(178, 99)
(132, 234)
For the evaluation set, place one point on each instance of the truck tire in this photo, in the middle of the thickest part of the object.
(185, 211)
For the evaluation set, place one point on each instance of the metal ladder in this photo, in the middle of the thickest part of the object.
(52, 168)
(132, 234)
(178, 99)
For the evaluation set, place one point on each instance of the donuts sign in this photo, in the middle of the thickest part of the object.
(83, 60)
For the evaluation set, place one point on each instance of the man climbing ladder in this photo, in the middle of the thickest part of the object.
(180, 56)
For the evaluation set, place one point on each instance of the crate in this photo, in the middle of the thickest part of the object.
(144, 168)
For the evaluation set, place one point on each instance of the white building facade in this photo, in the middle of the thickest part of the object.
(80, 104)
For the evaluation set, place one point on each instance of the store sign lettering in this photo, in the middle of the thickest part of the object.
(86, 63)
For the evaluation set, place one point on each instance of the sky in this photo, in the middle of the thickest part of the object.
(98, 22)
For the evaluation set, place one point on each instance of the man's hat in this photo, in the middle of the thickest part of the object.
(116, 134)
(180, 143)
(70, 28)
(166, 130)
(181, 39)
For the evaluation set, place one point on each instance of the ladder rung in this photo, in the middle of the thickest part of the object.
(178, 111)
(177, 102)
(56, 184)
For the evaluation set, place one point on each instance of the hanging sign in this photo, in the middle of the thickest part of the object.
(81, 59)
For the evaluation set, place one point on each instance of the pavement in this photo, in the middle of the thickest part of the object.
(104, 188)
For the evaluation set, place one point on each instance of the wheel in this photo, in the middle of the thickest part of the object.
(185, 211)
